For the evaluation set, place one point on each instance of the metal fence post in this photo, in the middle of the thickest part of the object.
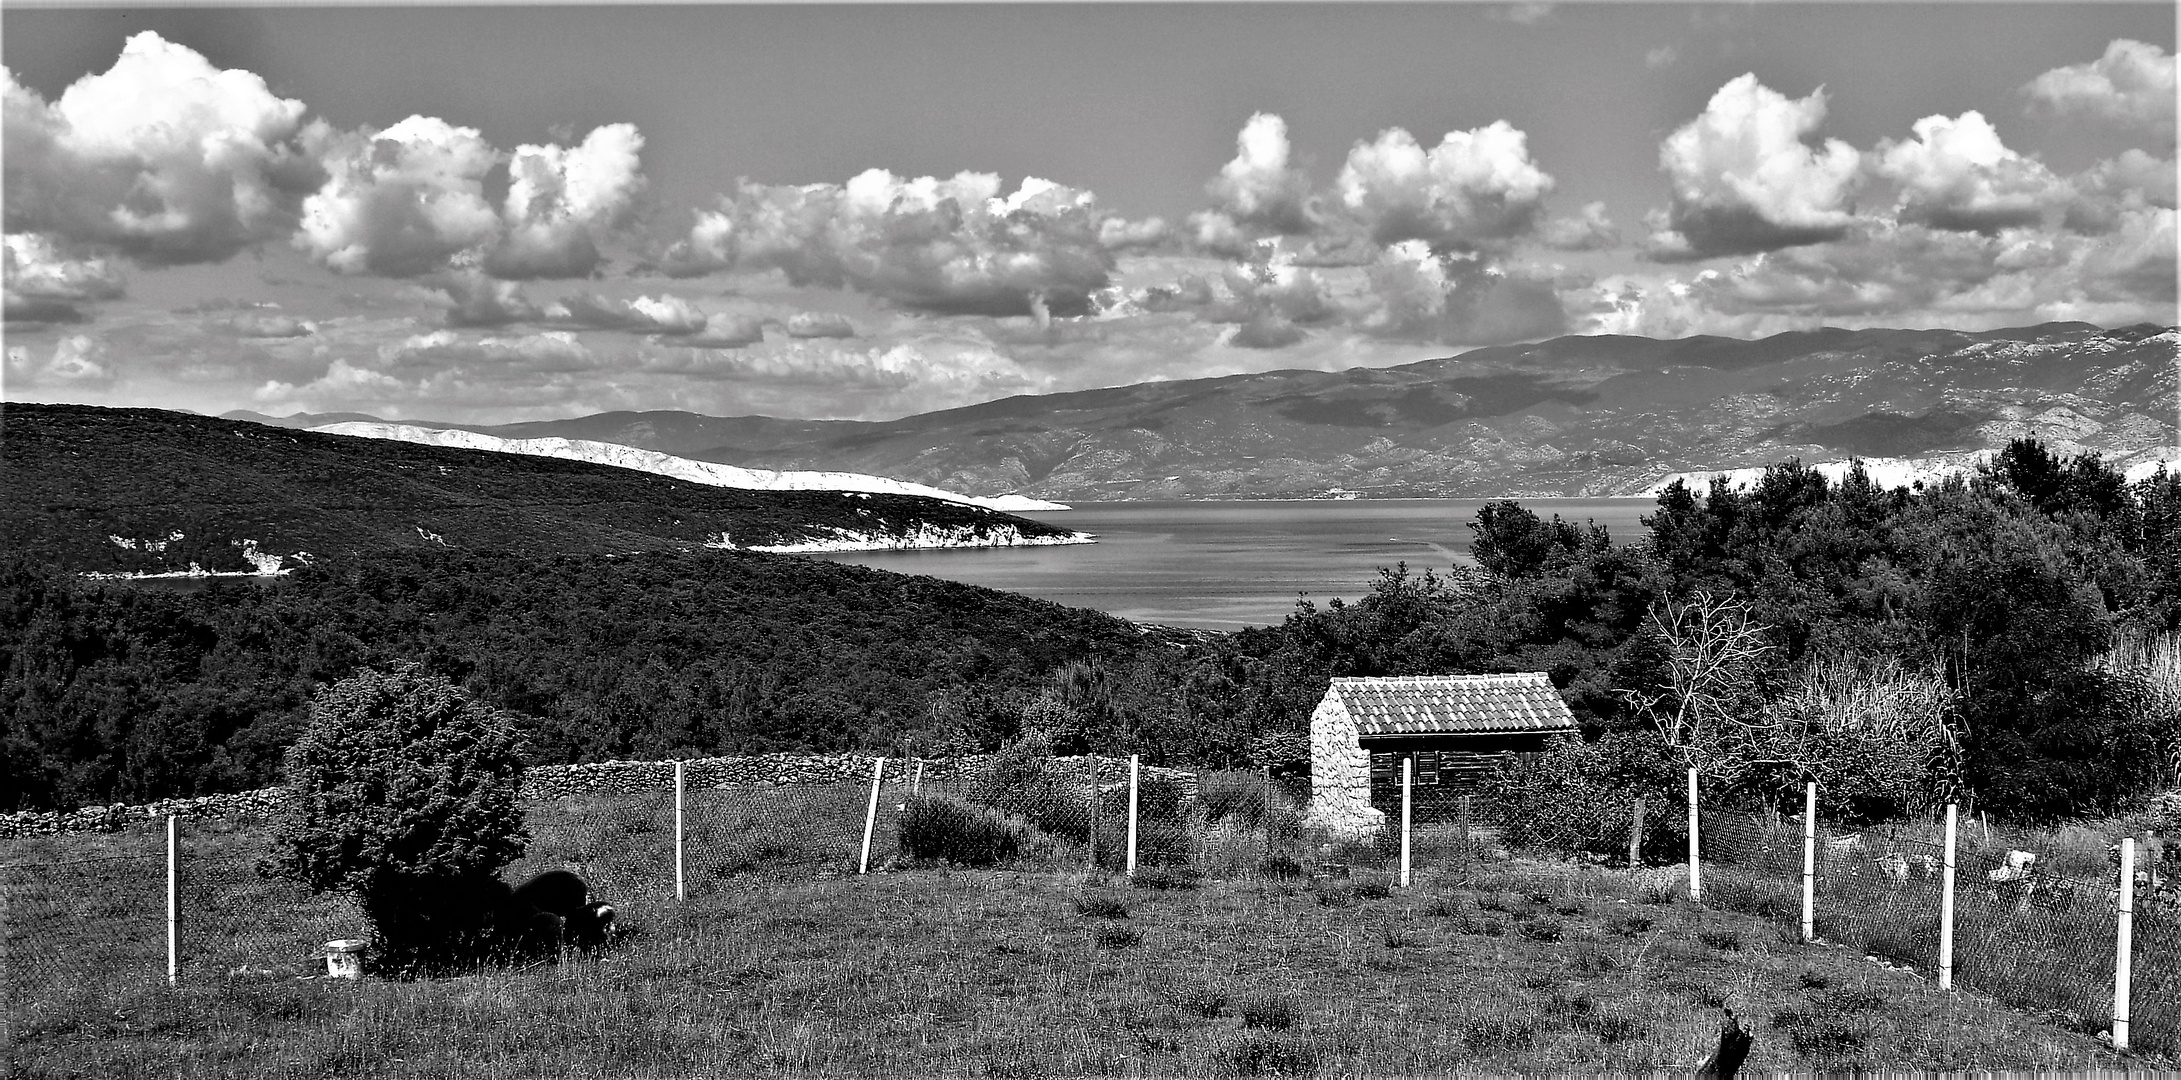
(680, 893)
(1096, 796)
(2125, 943)
(1946, 900)
(1133, 765)
(174, 938)
(870, 815)
(1696, 873)
(1408, 786)
(1809, 862)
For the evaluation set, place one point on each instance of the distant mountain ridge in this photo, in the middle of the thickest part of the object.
(1573, 416)
(710, 473)
(148, 491)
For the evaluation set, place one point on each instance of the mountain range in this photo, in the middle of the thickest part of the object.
(1573, 416)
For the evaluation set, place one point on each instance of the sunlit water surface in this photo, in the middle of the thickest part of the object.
(1231, 564)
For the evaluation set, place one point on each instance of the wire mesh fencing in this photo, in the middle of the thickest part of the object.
(78, 932)
(2030, 937)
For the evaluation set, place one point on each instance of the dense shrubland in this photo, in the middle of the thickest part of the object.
(1902, 646)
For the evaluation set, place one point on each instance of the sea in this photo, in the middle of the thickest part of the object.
(1227, 565)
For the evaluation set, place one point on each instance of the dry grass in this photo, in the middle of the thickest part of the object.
(795, 968)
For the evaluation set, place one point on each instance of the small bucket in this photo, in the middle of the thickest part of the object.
(344, 958)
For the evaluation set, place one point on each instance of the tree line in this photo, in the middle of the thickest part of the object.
(1905, 644)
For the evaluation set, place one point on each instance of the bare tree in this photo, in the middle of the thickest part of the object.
(1710, 704)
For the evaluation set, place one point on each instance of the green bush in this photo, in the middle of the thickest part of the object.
(1022, 779)
(1580, 797)
(1242, 797)
(960, 831)
(402, 792)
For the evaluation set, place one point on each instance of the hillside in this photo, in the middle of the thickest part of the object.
(710, 473)
(1571, 416)
(151, 491)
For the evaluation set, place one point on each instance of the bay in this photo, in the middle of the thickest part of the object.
(1226, 565)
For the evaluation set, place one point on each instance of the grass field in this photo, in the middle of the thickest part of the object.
(783, 966)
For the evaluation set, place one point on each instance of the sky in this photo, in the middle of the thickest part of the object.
(505, 213)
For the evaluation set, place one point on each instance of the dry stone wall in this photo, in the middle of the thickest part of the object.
(595, 778)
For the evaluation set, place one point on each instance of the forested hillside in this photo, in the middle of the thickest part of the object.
(116, 691)
(147, 490)
(1904, 646)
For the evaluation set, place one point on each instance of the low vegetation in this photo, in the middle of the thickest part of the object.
(1013, 971)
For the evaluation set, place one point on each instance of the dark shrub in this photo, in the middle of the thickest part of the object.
(959, 831)
(402, 792)
(1102, 907)
(1580, 797)
(1165, 877)
(1115, 936)
(1722, 938)
(1023, 780)
(1268, 1011)
(1280, 866)
(1236, 795)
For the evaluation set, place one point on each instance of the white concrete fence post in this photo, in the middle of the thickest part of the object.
(916, 782)
(870, 815)
(2125, 943)
(1408, 788)
(1696, 873)
(1809, 862)
(1946, 899)
(1134, 763)
(681, 893)
(174, 926)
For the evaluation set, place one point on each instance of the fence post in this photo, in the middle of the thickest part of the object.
(1635, 836)
(1946, 899)
(680, 893)
(916, 782)
(1809, 862)
(1132, 767)
(1696, 873)
(870, 815)
(174, 938)
(1408, 784)
(2126, 942)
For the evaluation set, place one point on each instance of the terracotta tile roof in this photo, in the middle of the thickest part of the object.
(1455, 704)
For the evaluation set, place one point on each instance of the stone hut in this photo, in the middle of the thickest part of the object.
(1458, 727)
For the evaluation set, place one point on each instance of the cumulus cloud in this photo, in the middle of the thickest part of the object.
(44, 285)
(410, 200)
(1744, 181)
(560, 202)
(952, 246)
(400, 202)
(1258, 193)
(264, 324)
(1907, 274)
(2105, 191)
(548, 351)
(666, 315)
(76, 359)
(819, 324)
(1957, 174)
(1453, 299)
(163, 156)
(2131, 86)
(1265, 330)
(727, 332)
(1661, 57)
(1475, 187)
(475, 300)
(1588, 230)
